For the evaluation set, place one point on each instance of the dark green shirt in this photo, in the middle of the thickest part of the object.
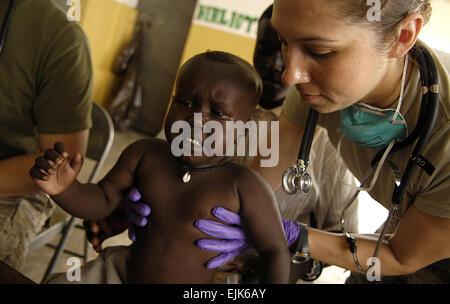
(45, 76)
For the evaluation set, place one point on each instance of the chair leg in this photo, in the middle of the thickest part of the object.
(86, 244)
(86, 248)
(59, 249)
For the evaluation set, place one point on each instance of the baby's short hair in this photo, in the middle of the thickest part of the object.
(254, 80)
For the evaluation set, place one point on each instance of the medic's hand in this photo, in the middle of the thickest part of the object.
(137, 212)
(132, 212)
(233, 241)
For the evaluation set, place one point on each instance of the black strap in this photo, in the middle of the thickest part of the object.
(423, 163)
(302, 244)
(308, 135)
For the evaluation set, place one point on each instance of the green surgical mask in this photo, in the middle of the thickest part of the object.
(372, 127)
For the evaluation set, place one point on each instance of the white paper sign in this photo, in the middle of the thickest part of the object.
(130, 3)
(234, 16)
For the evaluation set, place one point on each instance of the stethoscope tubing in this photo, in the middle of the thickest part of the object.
(431, 101)
(308, 135)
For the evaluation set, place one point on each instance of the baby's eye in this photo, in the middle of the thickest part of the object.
(220, 114)
(183, 103)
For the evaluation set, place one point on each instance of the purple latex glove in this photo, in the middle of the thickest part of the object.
(291, 230)
(137, 212)
(233, 241)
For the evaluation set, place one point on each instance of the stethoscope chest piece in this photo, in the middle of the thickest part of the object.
(294, 179)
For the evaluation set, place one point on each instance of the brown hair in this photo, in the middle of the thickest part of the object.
(392, 14)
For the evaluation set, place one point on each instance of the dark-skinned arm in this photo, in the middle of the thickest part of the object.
(420, 240)
(262, 224)
(14, 178)
(91, 201)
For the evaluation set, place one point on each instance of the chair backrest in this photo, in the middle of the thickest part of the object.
(101, 138)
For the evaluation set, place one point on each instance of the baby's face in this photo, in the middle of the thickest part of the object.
(216, 92)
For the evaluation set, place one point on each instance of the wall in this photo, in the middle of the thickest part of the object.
(109, 25)
(166, 25)
(437, 32)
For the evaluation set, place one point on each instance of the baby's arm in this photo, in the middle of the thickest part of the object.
(57, 177)
(262, 224)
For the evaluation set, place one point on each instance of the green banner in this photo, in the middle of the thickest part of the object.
(226, 18)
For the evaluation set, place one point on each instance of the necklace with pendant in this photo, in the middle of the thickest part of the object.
(186, 170)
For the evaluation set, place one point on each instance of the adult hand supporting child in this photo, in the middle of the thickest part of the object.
(232, 241)
(135, 213)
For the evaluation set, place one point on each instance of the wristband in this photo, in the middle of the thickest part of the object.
(301, 253)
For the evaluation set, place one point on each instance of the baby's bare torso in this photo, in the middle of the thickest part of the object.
(165, 250)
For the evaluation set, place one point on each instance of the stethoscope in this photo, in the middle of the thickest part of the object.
(297, 178)
(6, 25)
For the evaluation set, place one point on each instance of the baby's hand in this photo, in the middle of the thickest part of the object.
(55, 171)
